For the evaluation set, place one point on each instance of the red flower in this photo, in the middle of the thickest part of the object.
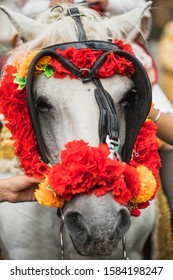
(41, 169)
(60, 71)
(146, 150)
(132, 180)
(85, 58)
(87, 169)
(120, 192)
(143, 205)
(123, 46)
(116, 64)
(146, 145)
(135, 212)
(15, 110)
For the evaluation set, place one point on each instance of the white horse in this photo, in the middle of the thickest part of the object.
(93, 226)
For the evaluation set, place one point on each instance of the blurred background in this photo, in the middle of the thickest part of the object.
(162, 12)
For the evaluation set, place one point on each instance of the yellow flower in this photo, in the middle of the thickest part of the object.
(46, 196)
(43, 61)
(148, 185)
(23, 65)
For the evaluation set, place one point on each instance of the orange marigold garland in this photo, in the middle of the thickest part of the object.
(83, 169)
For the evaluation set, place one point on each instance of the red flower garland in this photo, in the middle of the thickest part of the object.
(14, 108)
(83, 169)
(146, 150)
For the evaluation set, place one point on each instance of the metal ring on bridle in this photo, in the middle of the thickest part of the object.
(57, 6)
(88, 78)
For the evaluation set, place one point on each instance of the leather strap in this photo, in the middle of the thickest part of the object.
(108, 122)
(96, 45)
(75, 14)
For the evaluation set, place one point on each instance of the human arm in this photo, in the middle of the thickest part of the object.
(165, 125)
(19, 188)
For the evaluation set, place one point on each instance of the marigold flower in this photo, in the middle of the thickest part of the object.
(148, 185)
(43, 61)
(22, 65)
(46, 196)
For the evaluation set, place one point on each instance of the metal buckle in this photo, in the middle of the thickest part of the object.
(75, 14)
(88, 77)
(114, 147)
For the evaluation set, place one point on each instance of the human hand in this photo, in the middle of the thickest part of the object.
(19, 188)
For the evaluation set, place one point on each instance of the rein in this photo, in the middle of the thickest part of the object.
(108, 122)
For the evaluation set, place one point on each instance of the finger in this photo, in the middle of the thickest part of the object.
(33, 180)
(26, 195)
(21, 182)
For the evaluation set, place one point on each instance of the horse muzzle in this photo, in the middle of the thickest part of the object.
(98, 230)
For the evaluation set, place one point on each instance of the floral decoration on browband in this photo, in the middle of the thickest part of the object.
(82, 169)
(83, 59)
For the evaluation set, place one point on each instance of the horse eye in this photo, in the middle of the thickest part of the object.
(42, 103)
(42, 106)
(129, 98)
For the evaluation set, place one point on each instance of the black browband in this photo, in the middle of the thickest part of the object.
(108, 123)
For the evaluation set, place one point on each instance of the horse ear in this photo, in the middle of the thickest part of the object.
(27, 28)
(129, 23)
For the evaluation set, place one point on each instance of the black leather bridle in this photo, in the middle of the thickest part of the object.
(108, 122)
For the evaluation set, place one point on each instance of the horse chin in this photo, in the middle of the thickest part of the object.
(95, 248)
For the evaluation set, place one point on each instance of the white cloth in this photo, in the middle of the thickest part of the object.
(160, 100)
(158, 97)
(33, 8)
(124, 6)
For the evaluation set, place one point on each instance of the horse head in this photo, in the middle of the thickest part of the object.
(76, 106)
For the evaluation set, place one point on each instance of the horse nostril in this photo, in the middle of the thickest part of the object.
(123, 224)
(75, 227)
